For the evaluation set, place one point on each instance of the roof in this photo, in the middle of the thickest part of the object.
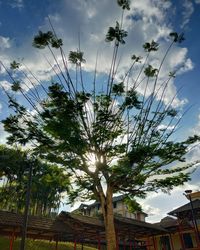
(186, 210)
(16, 219)
(167, 222)
(173, 225)
(39, 227)
(137, 228)
(123, 225)
(66, 226)
(194, 195)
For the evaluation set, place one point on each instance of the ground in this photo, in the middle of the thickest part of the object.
(39, 245)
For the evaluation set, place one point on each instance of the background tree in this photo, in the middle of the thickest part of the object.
(116, 140)
(49, 182)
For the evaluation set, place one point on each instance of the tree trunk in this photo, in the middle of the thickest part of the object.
(107, 209)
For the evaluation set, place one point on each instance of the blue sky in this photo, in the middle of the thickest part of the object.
(20, 20)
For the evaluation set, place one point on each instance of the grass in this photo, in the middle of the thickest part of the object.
(39, 245)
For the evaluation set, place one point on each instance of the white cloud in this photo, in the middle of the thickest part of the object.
(92, 20)
(3, 134)
(5, 43)
(187, 66)
(187, 12)
(6, 85)
(163, 126)
(196, 128)
(197, 1)
(151, 23)
(180, 54)
(19, 4)
(157, 205)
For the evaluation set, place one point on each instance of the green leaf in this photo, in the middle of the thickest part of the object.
(177, 38)
(153, 46)
(118, 88)
(14, 65)
(56, 43)
(150, 71)
(172, 112)
(76, 57)
(136, 58)
(125, 4)
(133, 205)
(132, 100)
(16, 86)
(42, 39)
(116, 34)
(172, 74)
(47, 39)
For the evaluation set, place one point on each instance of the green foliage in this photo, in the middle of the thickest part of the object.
(97, 139)
(132, 100)
(150, 71)
(14, 65)
(116, 34)
(118, 88)
(149, 47)
(125, 4)
(133, 205)
(46, 39)
(127, 133)
(40, 244)
(177, 38)
(48, 182)
(56, 42)
(16, 86)
(42, 39)
(172, 74)
(172, 112)
(136, 58)
(76, 57)
(169, 183)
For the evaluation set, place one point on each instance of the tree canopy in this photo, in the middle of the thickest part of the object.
(49, 182)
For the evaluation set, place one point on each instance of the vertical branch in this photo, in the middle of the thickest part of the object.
(80, 67)
(28, 196)
(94, 87)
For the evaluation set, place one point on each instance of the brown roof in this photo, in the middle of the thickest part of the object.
(172, 224)
(185, 210)
(88, 220)
(137, 228)
(168, 222)
(67, 226)
(123, 225)
(38, 227)
(16, 219)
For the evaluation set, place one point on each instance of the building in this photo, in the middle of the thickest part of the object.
(77, 229)
(178, 231)
(183, 227)
(119, 206)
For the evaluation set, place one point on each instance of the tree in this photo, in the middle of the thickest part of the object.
(49, 182)
(48, 188)
(114, 141)
(13, 168)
